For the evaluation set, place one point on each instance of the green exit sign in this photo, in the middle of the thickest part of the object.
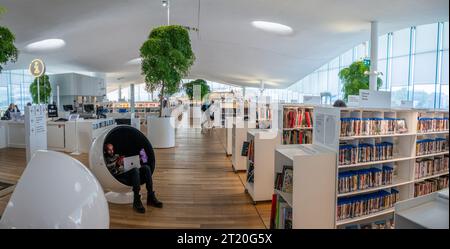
(367, 62)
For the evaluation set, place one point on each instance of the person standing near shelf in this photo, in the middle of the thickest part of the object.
(134, 177)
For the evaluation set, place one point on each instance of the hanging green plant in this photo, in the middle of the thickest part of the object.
(45, 89)
(166, 58)
(354, 78)
(8, 52)
(189, 88)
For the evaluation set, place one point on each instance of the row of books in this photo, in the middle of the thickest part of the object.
(432, 124)
(352, 207)
(430, 166)
(251, 151)
(431, 146)
(365, 152)
(297, 118)
(379, 224)
(284, 179)
(297, 137)
(431, 185)
(372, 126)
(281, 215)
(355, 180)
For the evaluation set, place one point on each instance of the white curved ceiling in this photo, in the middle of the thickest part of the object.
(103, 35)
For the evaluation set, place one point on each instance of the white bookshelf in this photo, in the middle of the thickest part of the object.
(300, 128)
(239, 136)
(263, 144)
(327, 133)
(312, 197)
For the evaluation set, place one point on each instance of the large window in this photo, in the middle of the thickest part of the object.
(14, 88)
(414, 63)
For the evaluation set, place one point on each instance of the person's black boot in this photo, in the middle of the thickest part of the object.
(153, 201)
(137, 204)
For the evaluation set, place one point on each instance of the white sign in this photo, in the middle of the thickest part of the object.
(35, 129)
(374, 99)
(353, 100)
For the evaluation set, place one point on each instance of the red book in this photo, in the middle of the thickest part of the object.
(300, 138)
(308, 119)
(300, 117)
(273, 211)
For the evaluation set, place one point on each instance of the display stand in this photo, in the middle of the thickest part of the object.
(35, 129)
(260, 164)
(239, 135)
(304, 197)
(295, 122)
(381, 143)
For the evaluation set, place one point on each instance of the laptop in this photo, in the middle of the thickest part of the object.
(131, 162)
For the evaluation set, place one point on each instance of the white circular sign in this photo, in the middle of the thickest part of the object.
(37, 68)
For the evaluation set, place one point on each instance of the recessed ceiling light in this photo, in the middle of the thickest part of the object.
(46, 45)
(137, 61)
(273, 27)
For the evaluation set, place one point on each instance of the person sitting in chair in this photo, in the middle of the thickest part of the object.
(134, 177)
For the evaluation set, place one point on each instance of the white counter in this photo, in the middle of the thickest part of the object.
(56, 135)
(12, 134)
(85, 131)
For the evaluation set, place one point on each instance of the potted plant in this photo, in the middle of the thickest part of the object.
(355, 78)
(166, 58)
(8, 52)
(45, 89)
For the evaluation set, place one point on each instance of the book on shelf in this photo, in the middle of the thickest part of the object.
(355, 180)
(297, 136)
(251, 172)
(283, 214)
(430, 166)
(251, 151)
(245, 147)
(430, 185)
(430, 146)
(360, 205)
(297, 117)
(426, 124)
(365, 152)
(284, 179)
(372, 126)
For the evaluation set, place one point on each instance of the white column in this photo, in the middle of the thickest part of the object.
(373, 56)
(120, 93)
(132, 102)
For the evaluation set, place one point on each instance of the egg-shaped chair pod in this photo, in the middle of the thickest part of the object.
(127, 141)
(56, 191)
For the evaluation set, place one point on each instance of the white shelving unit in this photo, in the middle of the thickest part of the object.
(328, 134)
(284, 127)
(261, 165)
(239, 135)
(312, 198)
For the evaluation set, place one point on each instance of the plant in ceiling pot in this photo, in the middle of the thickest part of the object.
(355, 78)
(45, 90)
(8, 52)
(167, 57)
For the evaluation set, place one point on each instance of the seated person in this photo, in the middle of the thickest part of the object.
(134, 177)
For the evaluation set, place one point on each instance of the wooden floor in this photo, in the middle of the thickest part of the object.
(194, 180)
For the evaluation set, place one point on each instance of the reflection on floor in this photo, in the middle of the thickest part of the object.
(194, 180)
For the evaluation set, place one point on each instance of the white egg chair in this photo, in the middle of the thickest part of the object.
(56, 191)
(127, 141)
